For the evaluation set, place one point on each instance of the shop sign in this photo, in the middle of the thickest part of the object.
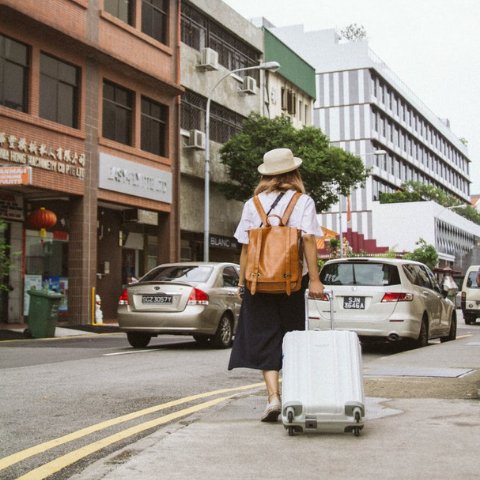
(133, 178)
(15, 175)
(227, 243)
(39, 155)
(11, 206)
(147, 217)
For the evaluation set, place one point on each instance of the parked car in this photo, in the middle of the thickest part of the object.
(470, 296)
(386, 299)
(195, 298)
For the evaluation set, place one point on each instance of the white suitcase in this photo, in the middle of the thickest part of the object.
(322, 385)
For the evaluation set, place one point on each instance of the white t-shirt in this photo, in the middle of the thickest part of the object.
(303, 217)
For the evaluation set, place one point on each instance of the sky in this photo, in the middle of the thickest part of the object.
(433, 46)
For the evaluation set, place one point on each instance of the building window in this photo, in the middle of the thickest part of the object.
(155, 19)
(58, 91)
(117, 113)
(199, 31)
(193, 111)
(122, 9)
(224, 123)
(289, 101)
(154, 126)
(14, 67)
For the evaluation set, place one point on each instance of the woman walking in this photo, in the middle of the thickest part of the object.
(266, 317)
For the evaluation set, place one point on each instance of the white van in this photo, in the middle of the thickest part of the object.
(471, 294)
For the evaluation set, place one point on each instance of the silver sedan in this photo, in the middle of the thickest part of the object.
(194, 298)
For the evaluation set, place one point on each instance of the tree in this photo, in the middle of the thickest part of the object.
(425, 253)
(354, 32)
(326, 171)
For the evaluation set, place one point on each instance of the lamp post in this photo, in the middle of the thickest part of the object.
(271, 66)
(374, 153)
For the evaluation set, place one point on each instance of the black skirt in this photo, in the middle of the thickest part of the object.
(264, 320)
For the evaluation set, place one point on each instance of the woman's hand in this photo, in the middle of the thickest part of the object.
(315, 288)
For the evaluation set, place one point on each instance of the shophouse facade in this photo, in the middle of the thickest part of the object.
(89, 112)
(366, 109)
(216, 40)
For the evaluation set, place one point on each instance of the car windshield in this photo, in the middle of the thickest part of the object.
(473, 280)
(184, 273)
(368, 274)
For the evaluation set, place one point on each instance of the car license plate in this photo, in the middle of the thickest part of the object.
(157, 299)
(354, 303)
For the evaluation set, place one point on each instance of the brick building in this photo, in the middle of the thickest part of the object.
(89, 112)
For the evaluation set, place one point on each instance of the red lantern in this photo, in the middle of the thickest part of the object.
(42, 219)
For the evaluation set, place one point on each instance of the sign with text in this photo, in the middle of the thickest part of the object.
(11, 206)
(227, 243)
(25, 152)
(133, 178)
(15, 175)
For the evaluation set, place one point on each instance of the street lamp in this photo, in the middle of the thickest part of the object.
(374, 153)
(272, 67)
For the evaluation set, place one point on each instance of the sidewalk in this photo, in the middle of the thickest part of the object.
(15, 331)
(422, 421)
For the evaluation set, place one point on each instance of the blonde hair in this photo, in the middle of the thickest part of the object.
(280, 183)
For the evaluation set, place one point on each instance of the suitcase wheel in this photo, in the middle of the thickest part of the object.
(290, 415)
(358, 417)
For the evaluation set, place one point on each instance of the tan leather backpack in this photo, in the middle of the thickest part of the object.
(274, 254)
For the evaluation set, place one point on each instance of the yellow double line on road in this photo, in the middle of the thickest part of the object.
(68, 459)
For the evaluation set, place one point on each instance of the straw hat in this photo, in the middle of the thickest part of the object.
(279, 160)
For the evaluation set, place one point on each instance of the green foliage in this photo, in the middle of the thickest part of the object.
(326, 171)
(412, 191)
(320, 263)
(417, 192)
(354, 32)
(425, 253)
(5, 264)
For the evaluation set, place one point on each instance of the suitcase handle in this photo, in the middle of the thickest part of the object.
(330, 300)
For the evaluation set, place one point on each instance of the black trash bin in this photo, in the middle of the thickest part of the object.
(43, 313)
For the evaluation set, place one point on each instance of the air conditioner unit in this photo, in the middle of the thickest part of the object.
(249, 86)
(208, 59)
(196, 140)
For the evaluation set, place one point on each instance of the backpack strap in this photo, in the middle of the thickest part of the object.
(261, 211)
(284, 221)
(290, 207)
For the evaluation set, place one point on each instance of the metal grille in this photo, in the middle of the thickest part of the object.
(224, 123)
(199, 31)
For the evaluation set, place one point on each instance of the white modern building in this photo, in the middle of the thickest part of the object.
(366, 109)
(400, 225)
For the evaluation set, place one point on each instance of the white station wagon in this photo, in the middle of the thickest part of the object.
(385, 299)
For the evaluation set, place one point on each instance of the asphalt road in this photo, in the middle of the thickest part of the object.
(53, 387)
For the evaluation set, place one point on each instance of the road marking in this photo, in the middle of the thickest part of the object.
(129, 352)
(43, 447)
(64, 461)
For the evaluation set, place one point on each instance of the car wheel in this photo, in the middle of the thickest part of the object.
(469, 320)
(223, 337)
(452, 334)
(422, 340)
(138, 340)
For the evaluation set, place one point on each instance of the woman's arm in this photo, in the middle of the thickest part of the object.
(315, 286)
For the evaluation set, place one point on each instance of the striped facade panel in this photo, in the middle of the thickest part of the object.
(342, 123)
(342, 88)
